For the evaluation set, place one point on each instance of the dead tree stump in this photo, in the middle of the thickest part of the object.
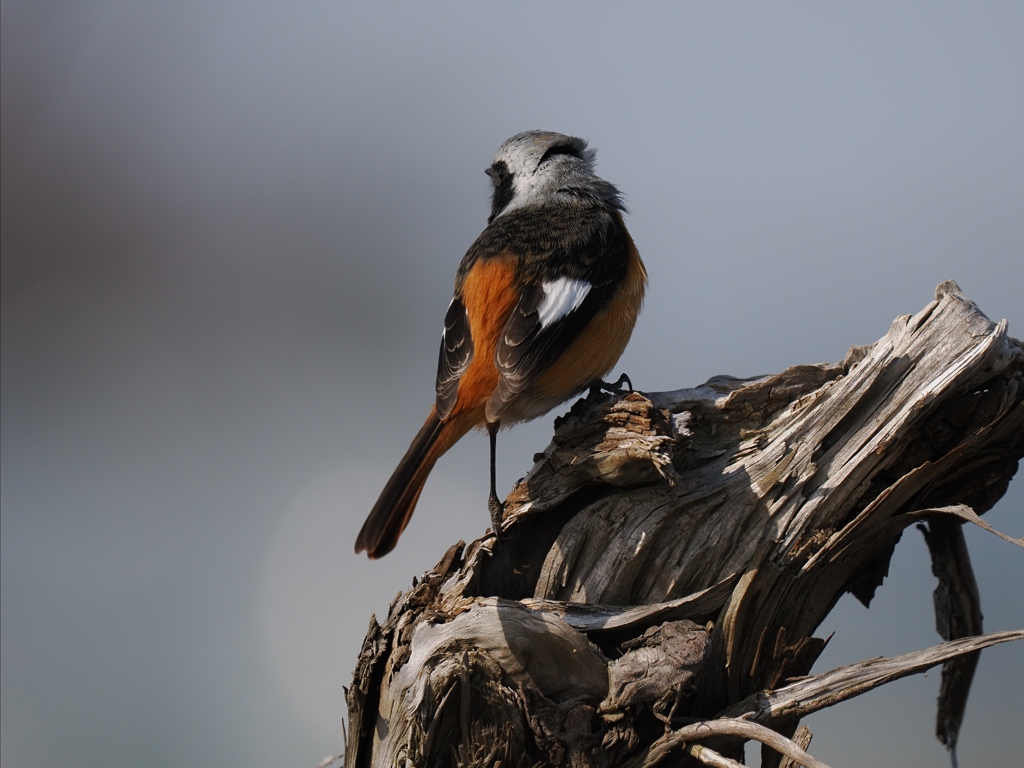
(664, 565)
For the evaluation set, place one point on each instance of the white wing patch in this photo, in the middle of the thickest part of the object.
(561, 297)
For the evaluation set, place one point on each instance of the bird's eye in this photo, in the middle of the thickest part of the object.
(498, 172)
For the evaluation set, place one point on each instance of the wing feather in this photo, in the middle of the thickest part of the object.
(454, 356)
(534, 337)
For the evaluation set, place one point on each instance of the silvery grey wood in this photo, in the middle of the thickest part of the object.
(702, 535)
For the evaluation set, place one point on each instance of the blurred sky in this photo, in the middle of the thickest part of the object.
(229, 234)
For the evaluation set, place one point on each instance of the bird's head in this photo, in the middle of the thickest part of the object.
(536, 168)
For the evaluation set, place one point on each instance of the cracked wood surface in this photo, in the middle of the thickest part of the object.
(701, 536)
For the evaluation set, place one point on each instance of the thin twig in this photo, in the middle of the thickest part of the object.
(820, 691)
(660, 749)
(708, 756)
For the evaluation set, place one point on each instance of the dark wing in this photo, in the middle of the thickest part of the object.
(532, 340)
(569, 262)
(456, 352)
(570, 269)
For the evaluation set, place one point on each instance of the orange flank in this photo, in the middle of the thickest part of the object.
(489, 296)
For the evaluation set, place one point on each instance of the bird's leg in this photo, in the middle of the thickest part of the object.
(494, 504)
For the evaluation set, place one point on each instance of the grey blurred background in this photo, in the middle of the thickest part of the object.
(229, 234)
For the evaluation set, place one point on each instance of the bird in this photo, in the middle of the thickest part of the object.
(544, 304)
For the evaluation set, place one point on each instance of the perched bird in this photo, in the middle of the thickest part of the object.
(545, 302)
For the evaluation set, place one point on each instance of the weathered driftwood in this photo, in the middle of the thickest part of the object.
(664, 565)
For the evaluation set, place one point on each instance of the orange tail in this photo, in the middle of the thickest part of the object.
(397, 501)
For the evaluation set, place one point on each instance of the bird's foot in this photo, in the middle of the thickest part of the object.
(620, 387)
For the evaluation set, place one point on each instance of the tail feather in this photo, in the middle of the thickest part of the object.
(394, 508)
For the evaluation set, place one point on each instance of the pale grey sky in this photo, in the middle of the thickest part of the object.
(229, 234)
